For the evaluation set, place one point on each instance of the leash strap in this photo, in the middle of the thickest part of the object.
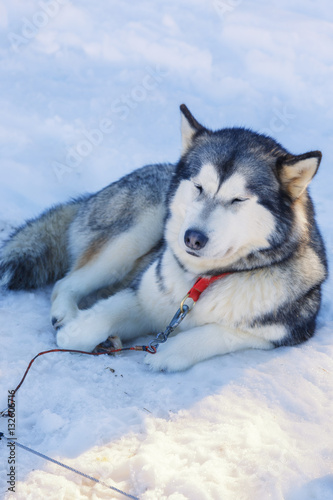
(200, 286)
(16, 443)
(152, 350)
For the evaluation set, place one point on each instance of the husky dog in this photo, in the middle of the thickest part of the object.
(236, 202)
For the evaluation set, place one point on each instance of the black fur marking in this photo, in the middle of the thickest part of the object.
(182, 267)
(156, 252)
(158, 273)
(190, 118)
(299, 318)
(24, 275)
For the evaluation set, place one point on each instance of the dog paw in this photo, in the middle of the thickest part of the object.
(62, 313)
(64, 306)
(169, 358)
(84, 333)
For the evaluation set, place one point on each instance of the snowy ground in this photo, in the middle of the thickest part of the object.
(89, 91)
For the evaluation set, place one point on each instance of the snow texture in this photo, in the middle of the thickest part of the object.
(90, 91)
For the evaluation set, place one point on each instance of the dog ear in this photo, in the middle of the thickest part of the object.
(296, 172)
(189, 127)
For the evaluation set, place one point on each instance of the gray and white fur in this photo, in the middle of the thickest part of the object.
(236, 202)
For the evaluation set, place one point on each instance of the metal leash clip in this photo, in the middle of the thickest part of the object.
(163, 336)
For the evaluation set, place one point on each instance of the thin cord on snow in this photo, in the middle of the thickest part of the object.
(149, 349)
(67, 467)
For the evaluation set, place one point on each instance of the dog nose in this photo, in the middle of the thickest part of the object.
(195, 239)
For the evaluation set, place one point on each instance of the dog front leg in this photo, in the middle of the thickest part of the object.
(103, 265)
(119, 315)
(197, 344)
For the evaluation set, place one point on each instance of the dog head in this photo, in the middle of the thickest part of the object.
(238, 198)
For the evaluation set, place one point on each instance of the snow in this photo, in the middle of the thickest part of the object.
(90, 91)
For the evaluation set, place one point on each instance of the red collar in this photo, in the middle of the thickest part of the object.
(201, 284)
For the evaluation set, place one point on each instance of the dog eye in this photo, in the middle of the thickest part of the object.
(238, 200)
(199, 188)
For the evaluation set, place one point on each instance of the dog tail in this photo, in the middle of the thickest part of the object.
(37, 252)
